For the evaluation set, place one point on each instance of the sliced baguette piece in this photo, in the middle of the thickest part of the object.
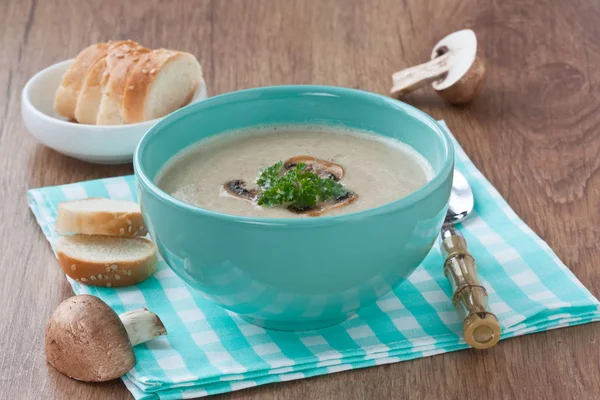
(100, 217)
(86, 108)
(88, 102)
(107, 261)
(110, 111)
(161, 82)
(67, 93)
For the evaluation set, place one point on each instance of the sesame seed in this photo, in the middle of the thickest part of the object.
(128, 272)
(99, 276)
(93, 277)
(153, 71)
(108, 284)
(135, 59)
(73, 267)
(107, 269)
(117, 276)
(128, 222)
(120, 55)
(83, 280)
(122, 230)
(129, 229)
(131, 87)
(144, 71)
(114, 267)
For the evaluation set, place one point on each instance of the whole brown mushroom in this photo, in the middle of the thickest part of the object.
(456, 70)
(88, 341)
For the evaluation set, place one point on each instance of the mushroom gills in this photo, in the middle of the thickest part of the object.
(456, 70)
(237, 188)
(325, 207)
(324, 169)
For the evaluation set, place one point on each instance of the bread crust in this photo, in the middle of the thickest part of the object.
(118, 71)
(66, 96)
(110, 84)
(91, 93)
(109, 223)
(90, 96)
(112, 274)
(100, 223)
(141, 79)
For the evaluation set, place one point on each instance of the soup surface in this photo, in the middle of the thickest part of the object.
(378, 170)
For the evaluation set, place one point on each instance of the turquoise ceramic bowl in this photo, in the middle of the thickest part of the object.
(295, 274)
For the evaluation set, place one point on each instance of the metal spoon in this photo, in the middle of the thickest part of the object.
(481, 328)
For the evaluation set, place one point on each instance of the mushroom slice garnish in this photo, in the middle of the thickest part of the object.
(237, 188)
(323, 208)
(324, 169)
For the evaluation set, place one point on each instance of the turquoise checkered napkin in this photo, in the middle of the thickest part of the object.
(209, 350)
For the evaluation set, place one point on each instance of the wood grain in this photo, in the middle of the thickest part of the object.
(534, 132)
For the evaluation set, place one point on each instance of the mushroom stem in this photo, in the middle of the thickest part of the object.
(142, 325)
(412, 78)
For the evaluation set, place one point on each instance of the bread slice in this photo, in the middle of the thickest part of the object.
(88, 102)
(161, 82)
(67, 93)
(100, 217)
(86, 108)
(110, 111)
(107, 261)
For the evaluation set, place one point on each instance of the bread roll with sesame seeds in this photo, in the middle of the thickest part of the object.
(160, 83)
(67, 93)
(100, 217)
(107, 261)
(110, 111)
(88, 102)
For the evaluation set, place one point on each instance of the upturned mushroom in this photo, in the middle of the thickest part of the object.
(88, 341)
(456, 70)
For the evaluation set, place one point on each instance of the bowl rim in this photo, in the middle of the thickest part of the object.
(298, 90)
(26, 100)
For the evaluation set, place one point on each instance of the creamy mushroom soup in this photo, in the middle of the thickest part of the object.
(347, 170)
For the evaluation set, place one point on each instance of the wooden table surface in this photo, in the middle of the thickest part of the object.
(534, 132)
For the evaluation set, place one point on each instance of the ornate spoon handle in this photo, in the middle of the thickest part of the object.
(481, 328)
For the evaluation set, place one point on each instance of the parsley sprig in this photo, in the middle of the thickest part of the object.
(298, 187)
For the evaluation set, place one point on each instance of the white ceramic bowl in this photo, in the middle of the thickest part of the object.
(108, 144)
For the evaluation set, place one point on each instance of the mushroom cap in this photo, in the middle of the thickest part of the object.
(466, 73)
(86, 340)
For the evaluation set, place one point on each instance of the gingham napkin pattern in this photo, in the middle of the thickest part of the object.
(208, 350)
